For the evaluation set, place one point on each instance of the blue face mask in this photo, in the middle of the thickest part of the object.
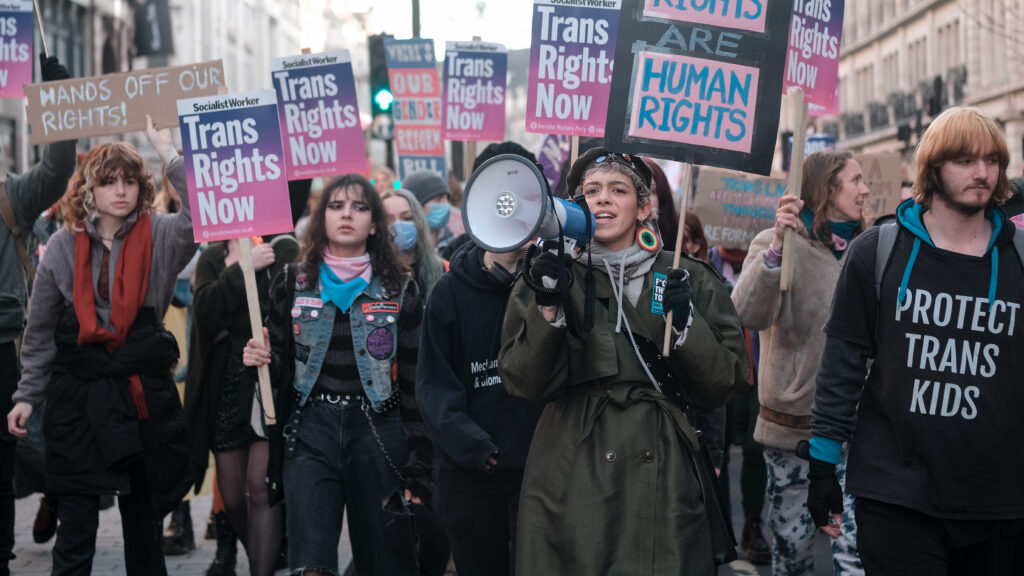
(437, 218)
(404, 234)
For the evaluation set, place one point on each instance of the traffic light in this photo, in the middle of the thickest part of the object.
(380, 88)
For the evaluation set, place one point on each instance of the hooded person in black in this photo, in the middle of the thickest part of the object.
(482, 433)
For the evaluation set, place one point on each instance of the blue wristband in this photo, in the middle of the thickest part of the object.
(826, 450)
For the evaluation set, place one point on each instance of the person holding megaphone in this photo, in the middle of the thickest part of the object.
(613, 480)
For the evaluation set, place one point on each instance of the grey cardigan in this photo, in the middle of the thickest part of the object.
(172, 249)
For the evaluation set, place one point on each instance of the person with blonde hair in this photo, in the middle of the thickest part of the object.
(922, 359)
(96, 350)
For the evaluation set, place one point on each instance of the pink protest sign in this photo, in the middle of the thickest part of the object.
(234, 166)
(694, 101)
(571, 66)
(474, 91)
(319, 114)
(15, 47)
(812, 61)
(740, 14)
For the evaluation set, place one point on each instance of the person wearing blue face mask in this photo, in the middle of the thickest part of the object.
(413, 237)
(432, 193)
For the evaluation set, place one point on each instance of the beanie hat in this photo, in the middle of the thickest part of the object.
(426, 186)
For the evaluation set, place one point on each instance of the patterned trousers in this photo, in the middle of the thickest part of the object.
(790, 522)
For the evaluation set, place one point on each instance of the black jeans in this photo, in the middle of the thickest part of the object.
(10, 373)
(141, 528)
(479, 513)
(893, 540)
(741, 416)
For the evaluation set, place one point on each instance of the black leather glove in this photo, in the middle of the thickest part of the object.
(676, 297)
(536, 267)
(52, 69)
(824, 494)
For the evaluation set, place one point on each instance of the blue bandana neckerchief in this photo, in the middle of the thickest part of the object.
(843, 230)
(343, 294)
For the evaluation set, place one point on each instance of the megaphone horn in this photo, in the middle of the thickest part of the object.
(506, 203)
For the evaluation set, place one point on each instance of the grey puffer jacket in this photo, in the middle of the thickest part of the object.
(29, 193)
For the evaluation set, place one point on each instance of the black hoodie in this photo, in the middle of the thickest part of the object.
(463, 402)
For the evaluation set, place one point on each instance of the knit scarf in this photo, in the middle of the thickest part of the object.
(842, 232)
(131, 282)
(342, 280)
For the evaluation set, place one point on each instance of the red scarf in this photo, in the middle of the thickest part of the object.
(131, 282)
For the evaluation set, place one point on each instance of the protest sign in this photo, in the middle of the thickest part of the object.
(234, 166)
(554, 150)
(475, 74)
(416, 111)
(116, 103)
(571, 66)
(734, 206)
(319, 114)
(812, 59)
(882, 175)
(699, 82)
(15, 47)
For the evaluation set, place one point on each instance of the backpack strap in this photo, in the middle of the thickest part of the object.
(886, 240)
(7, 215)
(1018, 243)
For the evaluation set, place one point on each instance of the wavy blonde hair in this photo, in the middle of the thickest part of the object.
(100, 166)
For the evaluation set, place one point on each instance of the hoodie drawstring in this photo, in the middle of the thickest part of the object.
(618, 293)
(993, 278)
(902, 295)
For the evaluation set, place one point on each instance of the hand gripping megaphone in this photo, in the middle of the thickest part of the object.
(507, 203)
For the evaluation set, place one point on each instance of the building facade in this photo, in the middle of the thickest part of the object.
(904, 61)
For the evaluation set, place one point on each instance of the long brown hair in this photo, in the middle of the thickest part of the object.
(821, 183)
(381, 248)
(99, 167)
(959, 132)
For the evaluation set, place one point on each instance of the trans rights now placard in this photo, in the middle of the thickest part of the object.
(699, 82)
(571, 66)
(475, 75)
(234, 166)
(812, 61)
(15, 47)
(319, 114)
(416, 111)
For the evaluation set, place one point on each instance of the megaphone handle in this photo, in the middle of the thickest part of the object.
(685, 192)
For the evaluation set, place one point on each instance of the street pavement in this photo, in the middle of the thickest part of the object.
(34, 559)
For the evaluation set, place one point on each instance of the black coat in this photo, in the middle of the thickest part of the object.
(91, 428)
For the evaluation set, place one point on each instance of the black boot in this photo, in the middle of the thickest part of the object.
(227, 548)
(752, 542)
(178, 537)
(211, 530)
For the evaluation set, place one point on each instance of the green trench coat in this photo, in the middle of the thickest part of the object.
(609, 486)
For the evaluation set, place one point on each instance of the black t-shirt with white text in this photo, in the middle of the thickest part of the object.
(940, 426)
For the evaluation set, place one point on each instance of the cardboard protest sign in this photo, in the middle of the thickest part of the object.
(116, 103)
(416, 111)
(882, 175)
(15, 47)
(571, 66)
(812, 60)
(734, 206)
(235, 166)
(475, 74)
(699, 82)
(319, 114)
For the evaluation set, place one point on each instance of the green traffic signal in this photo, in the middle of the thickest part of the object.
(383, 98)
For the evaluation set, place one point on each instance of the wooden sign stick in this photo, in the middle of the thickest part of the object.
(687, 184)
(255, 318)
(468, 156)
(574, 153)
(796, 177)
(39, 22)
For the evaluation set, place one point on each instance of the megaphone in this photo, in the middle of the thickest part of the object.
(506, 203)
